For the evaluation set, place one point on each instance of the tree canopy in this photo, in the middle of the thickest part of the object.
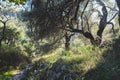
(68, 17)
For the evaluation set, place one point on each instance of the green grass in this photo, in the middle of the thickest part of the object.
(87, 61)
(77, 60)
(83, 62)
(7, 75)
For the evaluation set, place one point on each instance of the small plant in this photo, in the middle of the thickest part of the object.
(66, 53)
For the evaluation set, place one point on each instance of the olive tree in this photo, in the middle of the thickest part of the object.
(55, 18)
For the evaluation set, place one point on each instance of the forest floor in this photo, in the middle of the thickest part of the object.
(81, 62)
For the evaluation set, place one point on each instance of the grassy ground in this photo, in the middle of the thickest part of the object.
(82, 62)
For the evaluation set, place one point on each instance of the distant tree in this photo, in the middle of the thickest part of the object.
(7, 15)
(3, 31)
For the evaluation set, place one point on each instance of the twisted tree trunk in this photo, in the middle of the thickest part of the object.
(102, 23)
(118, 4)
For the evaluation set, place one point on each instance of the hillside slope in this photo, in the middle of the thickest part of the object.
(82, 62)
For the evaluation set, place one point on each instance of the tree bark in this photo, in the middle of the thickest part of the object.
(102, 23)
(3, 33)
(118, 4)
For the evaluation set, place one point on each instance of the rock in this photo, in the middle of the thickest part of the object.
(22, 73)
(63, 67)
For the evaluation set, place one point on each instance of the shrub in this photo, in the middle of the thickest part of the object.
(10, 56)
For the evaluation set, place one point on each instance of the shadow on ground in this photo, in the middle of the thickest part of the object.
(109, 67)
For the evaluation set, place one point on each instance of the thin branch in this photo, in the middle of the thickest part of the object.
(112, 26)
(113, 17)
(84, 8)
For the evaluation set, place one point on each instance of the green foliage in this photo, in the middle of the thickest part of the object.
(66, 53)
(18, 1)
(84, 62)
(29, 47)
(11, 56)
(75, 62)
(109, 66)
(4, 77)
(9, 49)
(7, 75)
